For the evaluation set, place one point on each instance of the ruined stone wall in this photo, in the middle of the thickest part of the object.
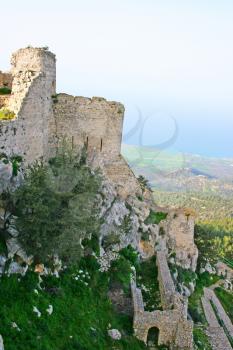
(174, 328)
(179, 227)
(166, 285)
(34, 74)
(5, 79)
(93, 121)
(97, 123)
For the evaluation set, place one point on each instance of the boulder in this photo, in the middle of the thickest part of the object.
(15, 267)
(114, 334)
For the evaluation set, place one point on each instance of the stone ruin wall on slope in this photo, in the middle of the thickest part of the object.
(174, 328)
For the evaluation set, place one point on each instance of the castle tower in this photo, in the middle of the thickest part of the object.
(34, 82)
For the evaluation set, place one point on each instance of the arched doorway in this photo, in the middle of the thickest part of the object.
(153, 338)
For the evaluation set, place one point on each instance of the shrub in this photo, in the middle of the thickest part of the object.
(6, 114)
(120, 272)
(5, 90)
(130, 254)
(144, 183)
(56, 207)
(155, 217)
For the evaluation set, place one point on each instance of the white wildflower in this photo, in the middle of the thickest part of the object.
(50, 309)
(36, 311)
(14, 325)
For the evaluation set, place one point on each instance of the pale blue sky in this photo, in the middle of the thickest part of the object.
(161, 57)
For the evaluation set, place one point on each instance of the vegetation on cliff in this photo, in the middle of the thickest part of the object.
(5, 90)
(81, 314)
(56, 207)
(6, 114)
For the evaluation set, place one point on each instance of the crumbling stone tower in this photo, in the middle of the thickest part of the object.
(33, 83)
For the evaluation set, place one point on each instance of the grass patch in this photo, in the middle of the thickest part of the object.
(6, 114)
(147, 280)
(82, 312)
(226, 300)
(195, 306)
(155, 217)
(201, 339)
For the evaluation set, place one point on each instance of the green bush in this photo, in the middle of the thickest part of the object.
(144, 183)
(56, 207)
(120, 272)
(155, 217)
(130, 254)
(5, 90)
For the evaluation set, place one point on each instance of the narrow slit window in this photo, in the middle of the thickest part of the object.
(72, 142)
(101, 145)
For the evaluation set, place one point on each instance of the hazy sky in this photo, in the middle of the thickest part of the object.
(162, 58)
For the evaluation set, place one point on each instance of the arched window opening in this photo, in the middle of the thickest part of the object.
(101, 145)
(153, 337)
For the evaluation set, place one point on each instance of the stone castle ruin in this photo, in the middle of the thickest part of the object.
(42, 119)
(174, 328)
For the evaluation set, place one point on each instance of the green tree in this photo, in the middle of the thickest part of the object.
(57, 206)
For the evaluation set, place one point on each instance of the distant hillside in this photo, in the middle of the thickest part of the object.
(205, 184)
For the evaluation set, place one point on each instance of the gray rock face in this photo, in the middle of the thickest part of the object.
(7, 179)
(17, 268)
(3, 260)
(14, 248)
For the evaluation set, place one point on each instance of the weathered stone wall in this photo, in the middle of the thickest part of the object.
(93, 121)
(216, 333)
(34, 74)
(179, 227)
(97, 123)
(166, 285)
(5, 79)
(174, 328)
